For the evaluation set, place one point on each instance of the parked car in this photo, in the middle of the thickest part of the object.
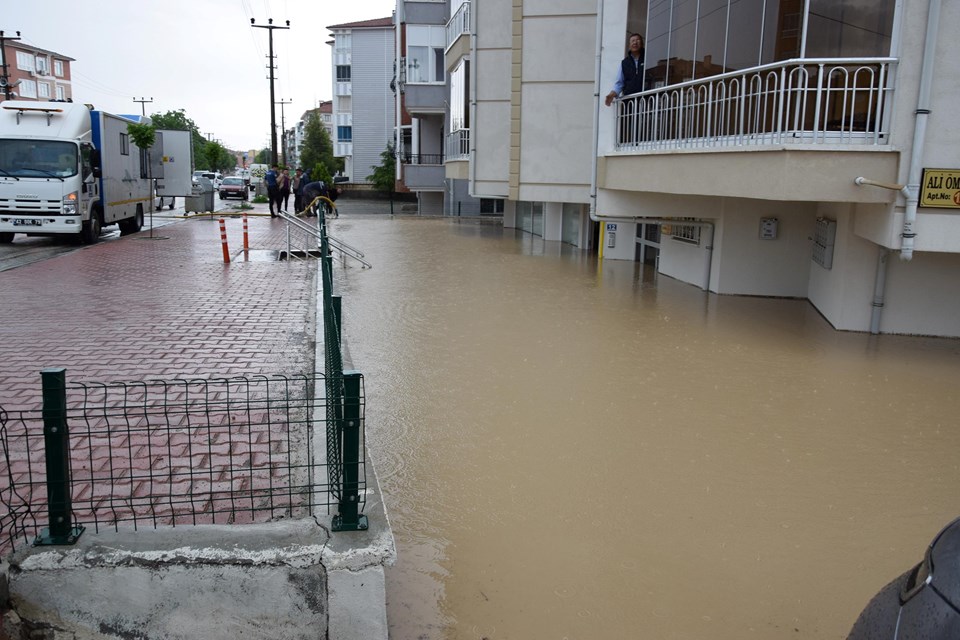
(212, 176)
(233, 186)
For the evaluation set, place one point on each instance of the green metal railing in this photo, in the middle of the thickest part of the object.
(187, 451)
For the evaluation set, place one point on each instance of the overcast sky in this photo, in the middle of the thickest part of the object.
(201, 56)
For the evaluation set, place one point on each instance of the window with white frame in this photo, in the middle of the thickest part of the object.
(24, 61)
(58, 68)
(425, 44)
(27, 89)
(460, 97)
(686, 232)
(343, 73)
(43, 89)
(42, 67)
(61, 93)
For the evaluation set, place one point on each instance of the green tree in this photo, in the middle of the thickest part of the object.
(263, 156)
(317, 149)
(218, 158)
(384, 176)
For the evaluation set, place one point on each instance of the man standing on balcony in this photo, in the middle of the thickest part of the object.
(630, 73)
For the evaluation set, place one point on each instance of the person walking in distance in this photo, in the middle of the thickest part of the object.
(296, 185)
(283, 183)
(273, 189)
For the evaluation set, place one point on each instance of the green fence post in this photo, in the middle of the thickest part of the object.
(349, 518)
(56, 443)
(338, 314)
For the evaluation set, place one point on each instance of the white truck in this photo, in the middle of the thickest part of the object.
(67, 169)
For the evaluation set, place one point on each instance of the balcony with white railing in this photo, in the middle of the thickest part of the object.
(801, 101)
(458, 25)
(458, 145)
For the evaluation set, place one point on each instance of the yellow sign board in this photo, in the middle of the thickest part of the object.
(940, 188)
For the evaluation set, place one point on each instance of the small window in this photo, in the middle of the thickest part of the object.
(124, 144)
(61, 94)
(42, 66)
(58, 68)
(27, 89)
(491, 205)
(343, 73)
(345, 134)
(24, 61)
(43, 89)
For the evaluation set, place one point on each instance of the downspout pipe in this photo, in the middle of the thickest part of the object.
(596, 114)
(919, 132)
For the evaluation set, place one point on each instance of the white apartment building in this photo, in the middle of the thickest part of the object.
(796, 148)
(363, 107)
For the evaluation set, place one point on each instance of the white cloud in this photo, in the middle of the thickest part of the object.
(201, 56)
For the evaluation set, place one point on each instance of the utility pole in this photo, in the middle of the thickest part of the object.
(283, 130)
(143, 104)
(5, 77)
(273, 113)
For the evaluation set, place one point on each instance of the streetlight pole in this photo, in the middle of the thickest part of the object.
(273, 115)
(5, 77)
(143, 106)
(283, 131)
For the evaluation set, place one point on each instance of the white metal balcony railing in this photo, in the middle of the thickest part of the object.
(801, 101)
(458, 145)
(458, 25)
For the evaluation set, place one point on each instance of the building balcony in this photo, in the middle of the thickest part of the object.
(458, 145)
(458, 25)
(423, 171)
(801, 101)
(424, 98)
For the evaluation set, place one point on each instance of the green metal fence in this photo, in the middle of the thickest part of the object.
(187, 451)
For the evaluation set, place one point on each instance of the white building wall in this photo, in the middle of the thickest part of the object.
(490, 134)
(373, 114)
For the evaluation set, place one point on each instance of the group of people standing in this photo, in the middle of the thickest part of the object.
(280, 184)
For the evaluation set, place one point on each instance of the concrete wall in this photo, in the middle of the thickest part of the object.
(289, 579)
(490, 124)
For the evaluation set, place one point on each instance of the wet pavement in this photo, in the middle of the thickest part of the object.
(135, 307)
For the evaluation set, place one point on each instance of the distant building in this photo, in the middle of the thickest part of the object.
(363, 114)
(36, 74)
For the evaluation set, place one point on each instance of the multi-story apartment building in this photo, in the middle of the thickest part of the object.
(36, 74)
(778, 147)
(363, 109)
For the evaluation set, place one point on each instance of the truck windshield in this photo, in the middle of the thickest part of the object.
(38, 158)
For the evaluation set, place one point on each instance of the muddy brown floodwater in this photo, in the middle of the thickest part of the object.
(574, 451)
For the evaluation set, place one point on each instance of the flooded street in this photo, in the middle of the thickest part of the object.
(583, 452)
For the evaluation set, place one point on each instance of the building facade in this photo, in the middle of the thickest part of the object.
(35, 74)
(794, 148)
(364, 112)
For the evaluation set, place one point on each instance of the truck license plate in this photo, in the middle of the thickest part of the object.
(23, 222)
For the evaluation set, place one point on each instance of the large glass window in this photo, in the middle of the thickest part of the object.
(343, 73)
(460, 97)
(425, 45)
(38, 158)
(690, 39)
(849, 28)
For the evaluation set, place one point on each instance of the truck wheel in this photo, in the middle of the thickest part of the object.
(134, 224)
(90, 233)
(6, 238)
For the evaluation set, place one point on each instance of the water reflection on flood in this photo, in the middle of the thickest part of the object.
(569, 451)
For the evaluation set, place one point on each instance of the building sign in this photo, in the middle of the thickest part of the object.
(940, 188)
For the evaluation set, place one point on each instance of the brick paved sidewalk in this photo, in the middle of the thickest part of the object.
(136, 308)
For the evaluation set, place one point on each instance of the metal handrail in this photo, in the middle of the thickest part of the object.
(802, 100)
(341, 246)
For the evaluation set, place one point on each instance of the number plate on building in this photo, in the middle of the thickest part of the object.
(23, 222)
